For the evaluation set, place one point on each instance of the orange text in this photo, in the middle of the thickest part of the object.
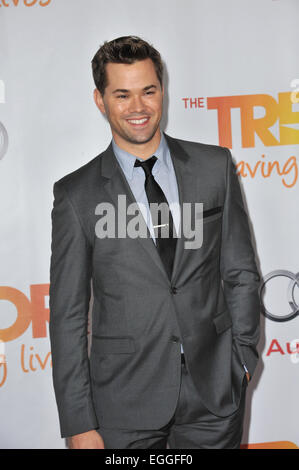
(29, 311)
(281, 110)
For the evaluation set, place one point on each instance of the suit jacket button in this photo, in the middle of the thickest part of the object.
(174, 339)
(174, 290)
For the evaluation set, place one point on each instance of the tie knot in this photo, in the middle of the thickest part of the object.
(147, 165)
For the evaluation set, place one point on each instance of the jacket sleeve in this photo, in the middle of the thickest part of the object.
(239, 272)
(70, 288)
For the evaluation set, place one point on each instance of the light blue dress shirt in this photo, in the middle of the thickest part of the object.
(164, 174)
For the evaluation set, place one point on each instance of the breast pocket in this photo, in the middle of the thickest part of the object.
(203, 234)
(212, 214)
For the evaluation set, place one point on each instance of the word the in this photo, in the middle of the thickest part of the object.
(193, 103)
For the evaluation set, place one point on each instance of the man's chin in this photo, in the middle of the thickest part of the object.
(140, 140)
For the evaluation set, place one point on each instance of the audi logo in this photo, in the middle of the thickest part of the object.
(294, 281)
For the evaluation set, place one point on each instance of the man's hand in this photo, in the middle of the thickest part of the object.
(87, 440)
(247, 373)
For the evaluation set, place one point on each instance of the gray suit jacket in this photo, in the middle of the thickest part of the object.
(139, 318)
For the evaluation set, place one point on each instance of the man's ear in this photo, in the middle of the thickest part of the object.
(98, 99)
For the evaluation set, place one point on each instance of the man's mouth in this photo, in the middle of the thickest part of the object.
(138, 122)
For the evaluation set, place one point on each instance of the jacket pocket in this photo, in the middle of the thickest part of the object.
(212, 211)
(112, 344)
(211, 214)
(222, 321)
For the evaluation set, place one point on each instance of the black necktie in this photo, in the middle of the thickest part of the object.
(162, 220)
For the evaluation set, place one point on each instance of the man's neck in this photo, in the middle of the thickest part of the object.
(140, 150)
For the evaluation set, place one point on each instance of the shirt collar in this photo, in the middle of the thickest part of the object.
(127, 160)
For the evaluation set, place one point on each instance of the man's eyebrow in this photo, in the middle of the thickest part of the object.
(123, 90)
(120, 90)
(149, 87)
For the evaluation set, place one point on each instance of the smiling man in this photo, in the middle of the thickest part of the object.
(134, 112)
(174, 330)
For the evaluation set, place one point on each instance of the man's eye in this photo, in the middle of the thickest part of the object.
(122, 96)
(150, 92)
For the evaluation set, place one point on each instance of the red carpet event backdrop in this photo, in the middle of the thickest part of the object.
(232, 78)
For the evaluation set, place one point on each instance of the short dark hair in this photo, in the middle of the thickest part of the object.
(123, 50)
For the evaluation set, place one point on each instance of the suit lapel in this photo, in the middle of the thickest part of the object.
(115, 183)
(187, 193)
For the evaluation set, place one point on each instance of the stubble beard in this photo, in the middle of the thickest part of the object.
(132, 140)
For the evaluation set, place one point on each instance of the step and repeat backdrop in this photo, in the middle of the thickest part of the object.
(232, 78)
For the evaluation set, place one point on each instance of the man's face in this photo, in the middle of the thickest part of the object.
(132, 102)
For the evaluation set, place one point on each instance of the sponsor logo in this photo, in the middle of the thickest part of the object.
(279, 110)
(274, 111)
(259, 114)
(32, 312)
(293, 284)
(26, 3)
(290, 347)
(29, 311)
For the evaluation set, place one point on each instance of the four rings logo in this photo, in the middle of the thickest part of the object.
(294, 281)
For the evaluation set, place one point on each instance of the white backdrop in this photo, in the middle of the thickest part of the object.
(226, 60)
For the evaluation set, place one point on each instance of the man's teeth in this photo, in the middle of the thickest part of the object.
(138, 121)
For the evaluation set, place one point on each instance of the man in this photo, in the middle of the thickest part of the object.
(174, 326)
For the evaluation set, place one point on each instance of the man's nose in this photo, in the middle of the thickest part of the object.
(136, 104)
